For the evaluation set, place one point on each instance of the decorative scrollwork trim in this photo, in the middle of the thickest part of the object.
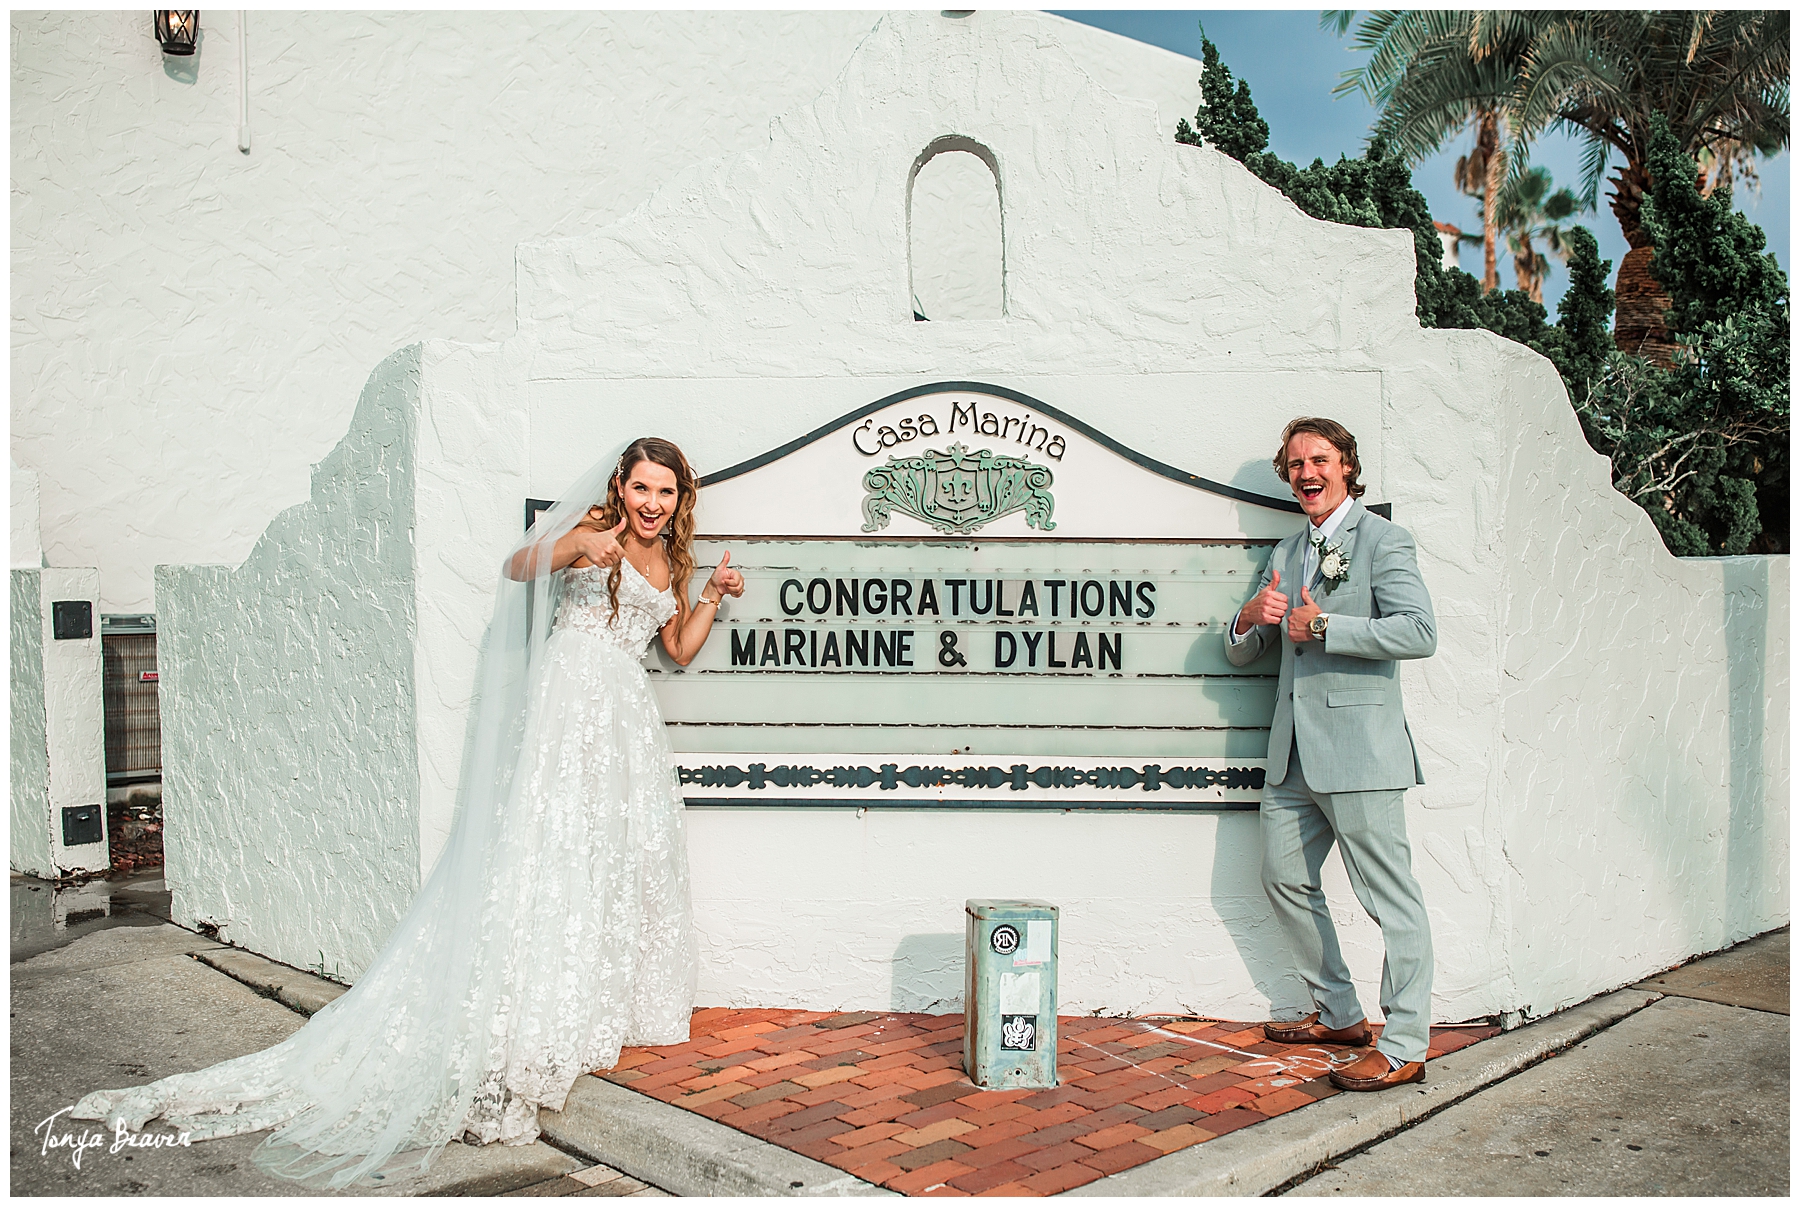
(956, 491)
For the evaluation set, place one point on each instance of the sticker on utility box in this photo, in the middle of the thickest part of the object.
(1021, 997)
(1018, 1032)
(1037, 944)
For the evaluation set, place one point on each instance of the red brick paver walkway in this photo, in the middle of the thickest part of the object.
(884, 1096)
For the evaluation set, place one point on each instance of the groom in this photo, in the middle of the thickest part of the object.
(1344, 600)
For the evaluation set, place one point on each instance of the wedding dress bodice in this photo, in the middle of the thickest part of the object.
(643, 610)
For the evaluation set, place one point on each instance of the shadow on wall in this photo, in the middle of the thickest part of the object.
(928, 974)
(1259, 474)
(1243, 909)
(184, 68)
(1746, 654)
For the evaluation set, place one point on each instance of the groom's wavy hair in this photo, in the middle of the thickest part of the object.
(678, 534)
(1341, 439)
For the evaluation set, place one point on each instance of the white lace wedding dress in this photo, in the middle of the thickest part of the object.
(583, 943)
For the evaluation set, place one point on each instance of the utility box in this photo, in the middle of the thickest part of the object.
(1009, 1002)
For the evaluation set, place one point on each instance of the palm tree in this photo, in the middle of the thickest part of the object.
(1478, 174)
(1432, 74)
(1719, 77)
(1528, 211)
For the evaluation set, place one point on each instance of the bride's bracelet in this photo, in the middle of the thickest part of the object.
(704, 600)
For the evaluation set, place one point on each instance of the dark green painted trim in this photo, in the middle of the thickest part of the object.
(944, 387)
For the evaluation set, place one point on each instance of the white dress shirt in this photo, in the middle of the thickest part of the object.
(1316, 534)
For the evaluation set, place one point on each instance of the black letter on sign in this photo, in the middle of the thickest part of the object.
(769, 651)
(874, 596)
(981, 609)
(901, 597)
(846, 597)
(1099, 604)
(814, 589)
(795, 610)
(795, 650)
(927, 598)
(1118, 597)
(1006, 648)
(1115, 649)
(1084, 654)
(745, 654)
(1146, 605)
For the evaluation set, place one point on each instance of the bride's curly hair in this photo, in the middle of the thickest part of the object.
(678, 533)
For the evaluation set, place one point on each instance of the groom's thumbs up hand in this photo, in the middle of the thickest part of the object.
(1267, 606)
(1300, 619)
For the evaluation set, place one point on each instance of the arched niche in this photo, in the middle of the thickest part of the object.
(955, 232)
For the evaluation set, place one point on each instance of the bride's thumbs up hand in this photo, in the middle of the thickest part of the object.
(602, 548)
(726, 578)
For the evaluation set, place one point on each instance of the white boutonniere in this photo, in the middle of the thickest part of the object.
(1334, 564)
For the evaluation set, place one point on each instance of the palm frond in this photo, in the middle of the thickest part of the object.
(1596, 154)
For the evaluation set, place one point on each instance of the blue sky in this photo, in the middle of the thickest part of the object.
(1292, 65)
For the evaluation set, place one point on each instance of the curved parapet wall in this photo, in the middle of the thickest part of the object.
(1602, 730)
(313, 697)
(290, 776)
(1602, 799)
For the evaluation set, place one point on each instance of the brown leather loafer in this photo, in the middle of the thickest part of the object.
(1308, 1031)
(1372, 1073)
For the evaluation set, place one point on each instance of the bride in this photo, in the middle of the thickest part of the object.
(555, 926)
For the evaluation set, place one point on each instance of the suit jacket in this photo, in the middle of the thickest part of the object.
(1340, 700)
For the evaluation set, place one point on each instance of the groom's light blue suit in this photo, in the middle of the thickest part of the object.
(1340, 759)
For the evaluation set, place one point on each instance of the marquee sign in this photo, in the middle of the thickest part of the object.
(959, 597)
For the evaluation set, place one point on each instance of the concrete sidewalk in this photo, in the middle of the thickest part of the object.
(131, 1002)
(1678, 1085)
(1688, 1096)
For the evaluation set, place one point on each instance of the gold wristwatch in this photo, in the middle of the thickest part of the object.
(1317, 625)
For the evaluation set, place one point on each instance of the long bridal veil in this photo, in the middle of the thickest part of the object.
(412, 1056)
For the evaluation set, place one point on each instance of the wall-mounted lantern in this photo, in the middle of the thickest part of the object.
(177, 30)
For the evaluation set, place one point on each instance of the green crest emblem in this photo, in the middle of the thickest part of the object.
(958, 491)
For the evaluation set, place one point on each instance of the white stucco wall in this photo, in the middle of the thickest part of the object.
(289, 706)
(192, 325)
(27, 549)
(1644, 767)
(29, 833)
(1566, 843)
(58, 734)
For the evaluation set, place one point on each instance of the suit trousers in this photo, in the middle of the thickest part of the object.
(1298, 827)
